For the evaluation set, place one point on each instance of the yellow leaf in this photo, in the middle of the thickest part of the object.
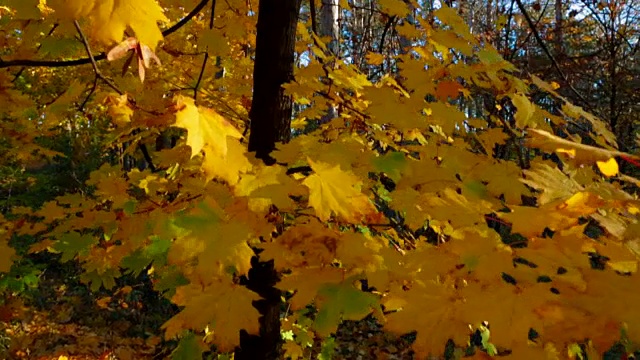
(551, 181)
(608, 168)
(215, 42)
(375, 58)
(22, 9)
(229, 167)
(580, 153)
(224, 307)
(394, 8)
(627, 267)
(209, 131)
(110, 18)
(338, 191)
(6, 253)
(293, 350)
(525, 110)
(219, 245)
(119, 109)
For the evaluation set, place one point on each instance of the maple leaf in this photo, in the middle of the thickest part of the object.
(73, 243)
(604, 292)
(228, 167)
(208, 131)
(203, 234)
(310, 244)
(225, 308)
(51, 211)
(338, 191)
(293, 350)
(119, 109)
(441, 157)
(525, 110)
(6, 252)
(110, 184)
(342, 301)
(110, 18)
(307, 282)
(553, 183)
(484, 258)
(407, 116)
(448, 89)
(580, 153)
(394, 8)
(557, 215)
(375, 58)
(510, 310)
(437, 322)
(267, 185)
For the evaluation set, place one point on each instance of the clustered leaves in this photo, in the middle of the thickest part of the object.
(403, 191)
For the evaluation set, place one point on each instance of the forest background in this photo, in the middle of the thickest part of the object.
(335, 178)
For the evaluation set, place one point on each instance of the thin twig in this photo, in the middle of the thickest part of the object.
(555, 64)
(206, 54)
(93, 89)
(99, 75)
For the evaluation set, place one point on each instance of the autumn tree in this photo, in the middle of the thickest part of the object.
(450, 197)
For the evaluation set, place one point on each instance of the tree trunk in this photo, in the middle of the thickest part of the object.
(329, 27)
(270, 122)
(559, 31)
(266, 346)
(275, 44)
(329, 24)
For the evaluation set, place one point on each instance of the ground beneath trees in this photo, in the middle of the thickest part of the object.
(62, 322)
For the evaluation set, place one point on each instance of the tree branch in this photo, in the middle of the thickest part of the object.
(99, 57)
(99, 75)
(206, 54)
(555, 64)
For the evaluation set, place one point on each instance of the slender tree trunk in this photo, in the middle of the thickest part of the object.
(270, 123)
(329, 27)
(275, 44)
(559, 32)
(329, 23)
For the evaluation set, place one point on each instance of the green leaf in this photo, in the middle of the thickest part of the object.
(96, 280)
(328, 347)
(136, 262)
(129, 207)
(72, 244)
(189, 348)
(337, 302)
(391, 164)
(575, 351)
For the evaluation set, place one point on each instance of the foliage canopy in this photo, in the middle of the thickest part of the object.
(403, 209)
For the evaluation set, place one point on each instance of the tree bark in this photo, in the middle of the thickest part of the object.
(266, 346)
(275, 44)
(559, 31)
(270, 116)
(329, 27)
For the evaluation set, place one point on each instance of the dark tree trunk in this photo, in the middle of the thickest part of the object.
(262, 278)
(270, 118)
(559, 31)
(275, 44)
